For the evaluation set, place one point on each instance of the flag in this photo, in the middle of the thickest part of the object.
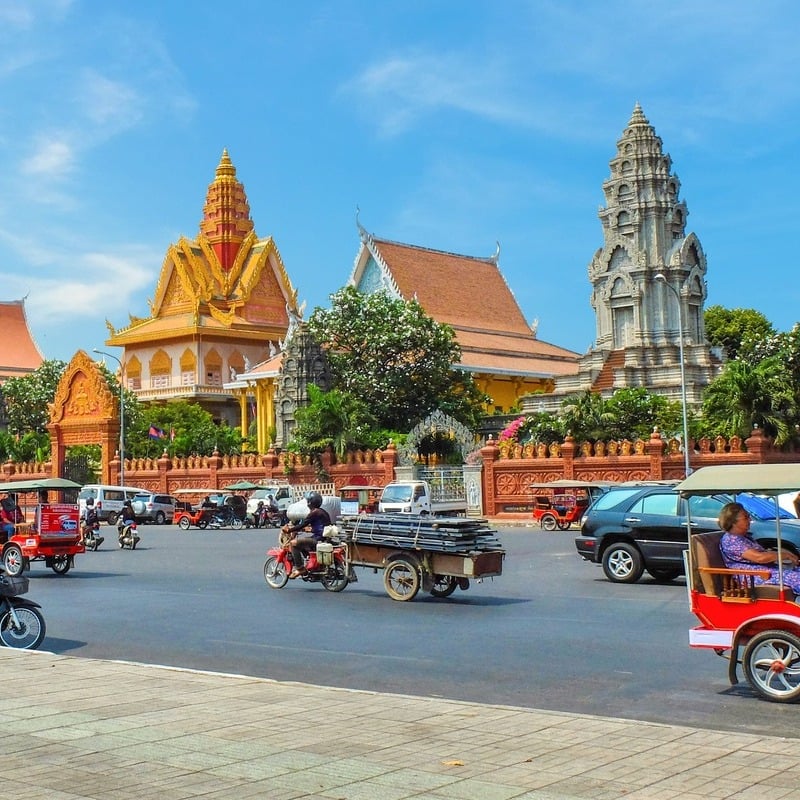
(156, 433)
(172, 434)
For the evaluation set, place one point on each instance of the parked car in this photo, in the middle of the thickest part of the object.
(151, 507)
(631, 529)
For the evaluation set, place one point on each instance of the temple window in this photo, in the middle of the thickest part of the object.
(213, 368)
(187, 378)
(160, 370)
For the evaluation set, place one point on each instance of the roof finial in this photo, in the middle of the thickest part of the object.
(496, 256)
(638, 117)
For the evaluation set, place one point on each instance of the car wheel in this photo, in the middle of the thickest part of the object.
(112, 518)
(622, 563)
(664, 574)
(160, 518)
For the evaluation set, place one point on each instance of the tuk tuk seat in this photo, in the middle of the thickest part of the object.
(729, 585)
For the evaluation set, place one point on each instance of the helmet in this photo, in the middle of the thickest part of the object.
(314, 500)
(90, 501)
(127, 503)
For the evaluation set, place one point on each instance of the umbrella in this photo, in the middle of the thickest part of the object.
(242, 486)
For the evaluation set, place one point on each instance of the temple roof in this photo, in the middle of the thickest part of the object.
(19, 353)
(471, 295)
(225, 279)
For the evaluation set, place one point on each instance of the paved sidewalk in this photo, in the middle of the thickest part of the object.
(80, 728)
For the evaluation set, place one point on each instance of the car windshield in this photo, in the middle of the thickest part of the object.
(613, 498)
(396, 494)
(144, 497)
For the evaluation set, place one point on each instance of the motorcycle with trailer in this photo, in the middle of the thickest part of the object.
(753, 625)
(437, 555)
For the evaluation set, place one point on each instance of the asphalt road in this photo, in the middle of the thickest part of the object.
(549, 633)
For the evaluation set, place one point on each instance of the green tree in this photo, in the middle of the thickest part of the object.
(395, 358)
(744, 395)
(28, 397)
(196, 433)
(632, 413)
(584, 416)
(736, 329)
(333, 419)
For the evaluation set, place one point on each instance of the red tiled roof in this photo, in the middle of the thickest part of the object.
(19, 354)
(471, 295)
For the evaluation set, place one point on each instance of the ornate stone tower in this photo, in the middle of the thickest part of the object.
(637, 316)
(304, 362)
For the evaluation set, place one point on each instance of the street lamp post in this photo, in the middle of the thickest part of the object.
(121, 418)
(687, 469)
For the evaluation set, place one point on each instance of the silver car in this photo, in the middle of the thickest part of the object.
(150, 507)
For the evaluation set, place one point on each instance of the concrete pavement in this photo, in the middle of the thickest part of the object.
(80, 728)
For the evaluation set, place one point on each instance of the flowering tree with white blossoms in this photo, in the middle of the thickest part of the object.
(391, 355)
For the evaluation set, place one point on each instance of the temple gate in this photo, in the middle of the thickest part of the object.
(84, 411)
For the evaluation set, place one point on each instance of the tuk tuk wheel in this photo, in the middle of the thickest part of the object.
(548, 522)
(772, 665)
(13, 560)
(61, 564)
(444, 585)
(564, 525)
(401, 580)
(184, 523)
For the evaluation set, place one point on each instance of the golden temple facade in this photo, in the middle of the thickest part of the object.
(222, 303)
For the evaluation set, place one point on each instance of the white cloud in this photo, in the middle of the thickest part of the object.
(94, 285)
(51, 157)
(111, 105)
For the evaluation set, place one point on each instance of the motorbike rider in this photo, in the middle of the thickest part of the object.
(316, 521)
(126, 517)
(91, 521)
(259, 516)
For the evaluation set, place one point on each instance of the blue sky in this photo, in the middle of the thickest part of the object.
(451, 125)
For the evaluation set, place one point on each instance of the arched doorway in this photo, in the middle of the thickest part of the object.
(84, 412)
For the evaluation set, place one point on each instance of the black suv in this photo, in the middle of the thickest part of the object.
(631, 529)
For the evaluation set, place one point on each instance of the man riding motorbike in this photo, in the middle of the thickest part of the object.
(126, 518)
(91, 522)
(316, 521)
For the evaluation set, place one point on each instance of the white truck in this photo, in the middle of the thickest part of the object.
(417, 497)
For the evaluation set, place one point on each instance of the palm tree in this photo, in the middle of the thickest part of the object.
(745, 395)
(584, 416)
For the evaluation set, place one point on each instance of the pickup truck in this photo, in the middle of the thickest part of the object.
(417, 497)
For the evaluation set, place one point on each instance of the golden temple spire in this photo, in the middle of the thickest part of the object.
(226, 214)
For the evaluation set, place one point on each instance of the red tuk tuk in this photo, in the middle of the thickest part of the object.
(53, 535)
(755, 625)
(560, 503)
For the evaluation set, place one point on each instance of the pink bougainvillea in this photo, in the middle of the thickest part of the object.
(511, 431)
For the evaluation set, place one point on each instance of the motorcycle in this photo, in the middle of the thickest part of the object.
(21, 623)
(127, 534)
(267, 518)
(91, 538)
(327, 565)
(225, 517)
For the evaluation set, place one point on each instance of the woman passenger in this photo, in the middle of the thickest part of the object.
(739, 551)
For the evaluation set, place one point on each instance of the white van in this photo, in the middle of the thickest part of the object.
(108, 500)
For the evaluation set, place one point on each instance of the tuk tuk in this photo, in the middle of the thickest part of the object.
(43, 530)
(360, 499)
(750, 623)
(561, 503)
